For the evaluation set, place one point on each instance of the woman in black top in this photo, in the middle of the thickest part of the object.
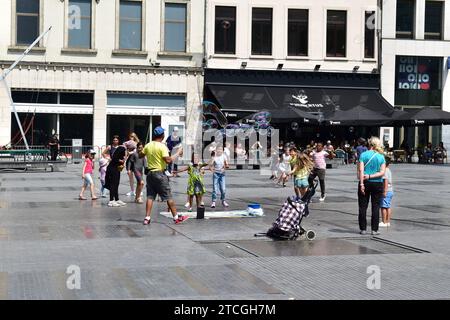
(112, 179)
(110, 149)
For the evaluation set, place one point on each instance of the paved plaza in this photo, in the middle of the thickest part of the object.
(44, 230)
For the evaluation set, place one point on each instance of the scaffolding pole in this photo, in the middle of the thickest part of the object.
(5, 74)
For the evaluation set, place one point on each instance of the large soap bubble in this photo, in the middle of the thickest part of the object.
(212, 109)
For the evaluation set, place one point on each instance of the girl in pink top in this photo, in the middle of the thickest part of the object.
(88, 169)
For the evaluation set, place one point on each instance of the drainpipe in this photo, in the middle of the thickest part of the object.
(205, 59)
(380, 35)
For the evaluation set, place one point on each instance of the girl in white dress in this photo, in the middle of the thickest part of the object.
(284, 167)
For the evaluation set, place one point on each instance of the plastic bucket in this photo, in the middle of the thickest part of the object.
(254, 206)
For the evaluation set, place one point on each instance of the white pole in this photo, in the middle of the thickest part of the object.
(2, 77)
(5, 74)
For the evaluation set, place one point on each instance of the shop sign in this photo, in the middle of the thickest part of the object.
(413, 75)
(302, 101)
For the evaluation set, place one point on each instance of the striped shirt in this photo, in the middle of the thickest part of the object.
(319, 159)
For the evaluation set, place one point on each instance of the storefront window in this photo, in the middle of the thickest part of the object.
(418, 81)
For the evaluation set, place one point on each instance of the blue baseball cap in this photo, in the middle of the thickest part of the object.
(158, 131)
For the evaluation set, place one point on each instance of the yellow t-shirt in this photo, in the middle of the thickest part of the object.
(155, 152)
(301, 173)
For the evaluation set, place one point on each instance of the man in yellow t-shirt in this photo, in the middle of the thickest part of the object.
(158, 157)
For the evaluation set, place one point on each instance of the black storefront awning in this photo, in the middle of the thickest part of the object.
(358, 115)
(426, 116)
(286, 102)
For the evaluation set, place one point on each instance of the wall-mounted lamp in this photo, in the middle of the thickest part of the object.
(154, 63)
(355, 68)
(317, 67)
(243, 64)
(280, 66)
(374, 70)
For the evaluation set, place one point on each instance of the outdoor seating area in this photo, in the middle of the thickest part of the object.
(419, 155)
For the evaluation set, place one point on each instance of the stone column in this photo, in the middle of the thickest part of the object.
(99, 122)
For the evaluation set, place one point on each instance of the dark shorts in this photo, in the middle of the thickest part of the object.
(139, 175)
(158, 183)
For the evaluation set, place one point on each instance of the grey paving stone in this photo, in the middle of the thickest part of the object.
(44, 229)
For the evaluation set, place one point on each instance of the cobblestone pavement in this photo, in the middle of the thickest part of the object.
(44, 230)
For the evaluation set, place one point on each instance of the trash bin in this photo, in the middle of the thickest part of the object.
(77, 150)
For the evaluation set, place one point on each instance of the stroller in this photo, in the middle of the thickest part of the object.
(288, 223)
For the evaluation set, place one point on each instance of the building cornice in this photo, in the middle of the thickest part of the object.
(106, 68)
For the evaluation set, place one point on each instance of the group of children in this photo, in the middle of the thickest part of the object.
(195, 170)
(113, 160)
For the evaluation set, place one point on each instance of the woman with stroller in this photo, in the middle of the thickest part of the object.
(371, 169)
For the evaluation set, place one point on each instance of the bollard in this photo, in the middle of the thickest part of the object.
(200, 212)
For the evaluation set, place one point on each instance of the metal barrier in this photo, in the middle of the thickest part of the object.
(65, 152)
(31, 159)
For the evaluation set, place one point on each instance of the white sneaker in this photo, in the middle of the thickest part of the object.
(213, 204)
(382, 224)
(225, 204)
(323, 198)
(121, 203)
(113, 204)
(131, 194)
(187, 205)
(388, 224)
